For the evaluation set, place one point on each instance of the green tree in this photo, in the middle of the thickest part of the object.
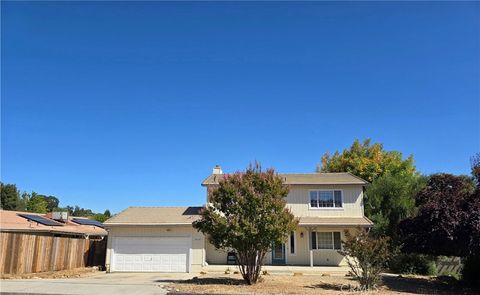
(475, 164)
(100, 217)
(368, 161)
(247, 213)
(394, 181)
(366, 256)
(37, 204)
(23, 201)
(448, 221)
(107, 214)
(390, 199)
(9, 196)
(52, 202)
(80, 212)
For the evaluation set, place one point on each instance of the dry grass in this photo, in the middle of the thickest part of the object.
(61, 274)
(310, 284)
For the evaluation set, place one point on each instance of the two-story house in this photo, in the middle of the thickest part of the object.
(162, 239)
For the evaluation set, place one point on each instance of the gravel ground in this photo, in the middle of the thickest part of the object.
(61, 274)
(312, 284)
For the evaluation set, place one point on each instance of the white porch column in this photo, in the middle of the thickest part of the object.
(310, 245)
(311, 258)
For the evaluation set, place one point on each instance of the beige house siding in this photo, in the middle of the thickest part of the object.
(203, 251)
(214, 256)
(301, 255)
(298, 200)
(198, 241)
(320, 256)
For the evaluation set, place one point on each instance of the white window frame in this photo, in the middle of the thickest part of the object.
(333, 240)
(294, 243)
(325, 208)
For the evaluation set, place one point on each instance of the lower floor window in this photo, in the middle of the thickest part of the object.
(326, 240)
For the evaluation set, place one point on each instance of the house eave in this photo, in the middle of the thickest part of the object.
(146, 224)
(335, 224)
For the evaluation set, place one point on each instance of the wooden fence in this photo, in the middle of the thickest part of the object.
(22, 253)
(447, 265)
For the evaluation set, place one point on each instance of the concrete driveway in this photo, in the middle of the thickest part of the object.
(102, 283)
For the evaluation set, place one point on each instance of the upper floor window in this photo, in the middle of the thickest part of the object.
(326, 199)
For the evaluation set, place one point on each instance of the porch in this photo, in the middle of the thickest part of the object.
(314, 244)
(285, 269)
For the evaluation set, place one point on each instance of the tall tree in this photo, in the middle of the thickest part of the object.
(475, 162)
(446, 206)
(448, 222)
(99, 217)
(107, 214)
(367, 161)
(78, 211)
(472, 214)
(9, 196)
(247, 213)
(52, 202)
(390, 199)
(37, 204)
(23, 201)
(394, 181)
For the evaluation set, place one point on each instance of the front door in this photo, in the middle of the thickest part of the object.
(278, 254)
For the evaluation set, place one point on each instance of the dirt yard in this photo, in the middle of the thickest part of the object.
(61, 274)
(312, 284)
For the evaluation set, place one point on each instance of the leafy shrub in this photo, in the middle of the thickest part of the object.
(413, 264)
(366, 256)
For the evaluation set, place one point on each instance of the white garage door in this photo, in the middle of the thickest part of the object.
(151, 254)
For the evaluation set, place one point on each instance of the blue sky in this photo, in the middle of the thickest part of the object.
(113, 104)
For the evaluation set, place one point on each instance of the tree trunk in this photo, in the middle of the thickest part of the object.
(250, 265)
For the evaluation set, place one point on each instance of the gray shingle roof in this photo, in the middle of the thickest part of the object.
(304, 178)
(187, 215)
(155, 216)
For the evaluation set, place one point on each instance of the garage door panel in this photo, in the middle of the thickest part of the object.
(155, 254)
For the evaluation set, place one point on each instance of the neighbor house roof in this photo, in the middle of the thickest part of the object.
(335, 221)
(11, 221)
(304, 178)
(155, 216)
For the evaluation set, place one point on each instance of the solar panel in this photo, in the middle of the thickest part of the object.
(40, 219)
(84, 221)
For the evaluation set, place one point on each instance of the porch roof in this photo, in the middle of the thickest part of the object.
(335, 221)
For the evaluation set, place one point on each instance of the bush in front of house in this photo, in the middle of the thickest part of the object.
(366, 256)
(413, 264)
